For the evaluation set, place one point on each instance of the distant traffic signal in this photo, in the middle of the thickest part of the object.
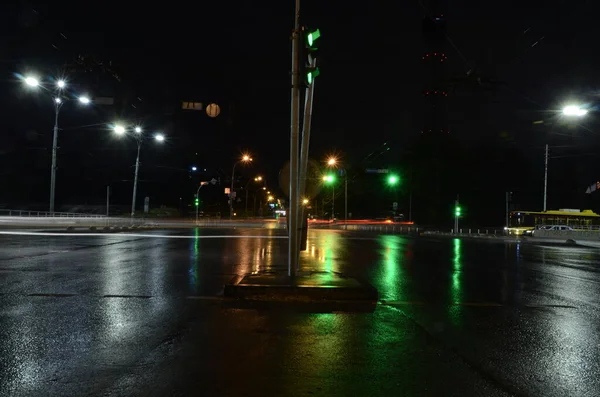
(393, 180)
(311, 70)
(457, 211)
(329, 178)
(196, 201)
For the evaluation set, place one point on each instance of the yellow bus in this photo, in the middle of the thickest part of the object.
(524, 222)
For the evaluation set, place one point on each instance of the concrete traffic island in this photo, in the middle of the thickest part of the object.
(333, 289)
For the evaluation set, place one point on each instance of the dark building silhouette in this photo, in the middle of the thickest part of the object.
(434, 157)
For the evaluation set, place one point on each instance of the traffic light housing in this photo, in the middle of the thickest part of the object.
(311, 71)
(196, 201)
(457, 211)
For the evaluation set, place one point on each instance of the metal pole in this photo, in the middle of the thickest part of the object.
(54, 149)
(410, 206)
(507, 198)
(455, 217)
(107, 200)
(304, 150)
(293, 253)
(247, 198)
(546, 177)
(198, 197)
(345, 200)
(231, 192)
(333, 202)
(135, 180)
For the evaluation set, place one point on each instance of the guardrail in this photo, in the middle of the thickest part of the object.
(46, 214)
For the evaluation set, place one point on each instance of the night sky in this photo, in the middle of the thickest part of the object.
(510, 65)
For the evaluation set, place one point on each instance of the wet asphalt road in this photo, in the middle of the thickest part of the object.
(128, 315)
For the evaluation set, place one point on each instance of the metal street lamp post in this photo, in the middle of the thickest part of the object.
(256, 179)
(58, 101)
(567, 111)
(245, 159)
(139, 137)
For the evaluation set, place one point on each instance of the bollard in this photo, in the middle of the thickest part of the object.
(460, 231)
(469, 231)
(486, 231)
(477, 231)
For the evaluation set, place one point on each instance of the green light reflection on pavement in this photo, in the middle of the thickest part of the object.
(390, 278)
(194, 257)
(456, 291)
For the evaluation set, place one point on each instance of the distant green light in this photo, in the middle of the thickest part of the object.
(329, 178)
(457, 211)
(393, 179)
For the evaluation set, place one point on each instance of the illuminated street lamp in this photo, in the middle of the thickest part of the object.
(32, 81)
(256, 191)
(58, 101)
(139, 138)
(245, 159)
(574, 110)
(119, 129)
(568, 111)
(332, 162)
(256, 179)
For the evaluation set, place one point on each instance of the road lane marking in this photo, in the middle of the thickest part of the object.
(224, 236)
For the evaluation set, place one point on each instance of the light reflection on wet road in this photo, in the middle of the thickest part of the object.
(124, 315)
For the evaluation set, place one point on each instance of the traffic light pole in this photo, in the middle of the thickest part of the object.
(456, 215)
(293, 252)
(306, 124)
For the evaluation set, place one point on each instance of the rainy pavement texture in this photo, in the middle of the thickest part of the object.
(121, 315)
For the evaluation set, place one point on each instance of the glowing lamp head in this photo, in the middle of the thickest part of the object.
(32, 81)
(119, 129)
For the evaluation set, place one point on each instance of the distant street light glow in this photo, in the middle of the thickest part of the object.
(57, 100)
(138, 130)
(574, 110)
(119, 129)
(246, 158)
(85, 100)
(194, 168)
(332, 161)
(159, 137)
(32, 81)
(61, 84)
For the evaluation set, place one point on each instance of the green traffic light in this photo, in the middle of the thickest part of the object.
(457, 211)
(313, 36)
(311, 74)
(393, 179)
(329, 178)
